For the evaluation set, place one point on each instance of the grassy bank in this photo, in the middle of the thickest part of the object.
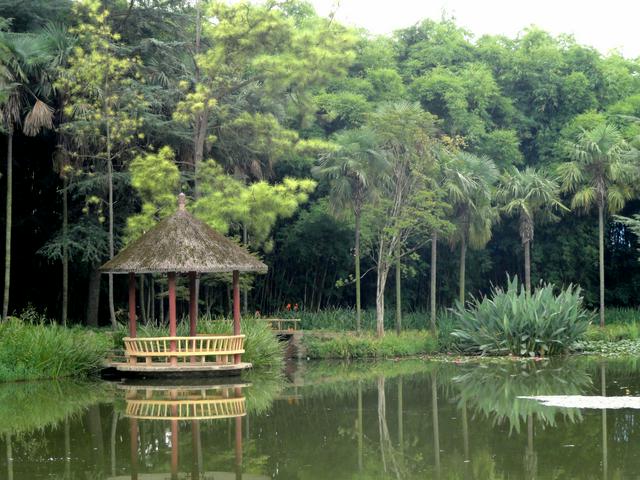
(39, 350)
(350, 346)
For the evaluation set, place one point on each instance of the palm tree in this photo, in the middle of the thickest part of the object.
(602, 173)
(468, 186)
(350, 171)
(533, 197)
(20, 72)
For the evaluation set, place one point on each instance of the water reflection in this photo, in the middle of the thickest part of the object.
(190, 405)
(360, 421)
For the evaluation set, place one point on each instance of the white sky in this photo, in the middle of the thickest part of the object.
(604, 24)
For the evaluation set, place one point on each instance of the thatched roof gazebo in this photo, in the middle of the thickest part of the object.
(182, 244)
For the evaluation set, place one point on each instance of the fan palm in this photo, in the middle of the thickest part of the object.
(20, 73)
(602, 173)
(533, 197)
(350, 171)
(469, 189)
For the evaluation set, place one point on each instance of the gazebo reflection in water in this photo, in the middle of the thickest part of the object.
(194, 404)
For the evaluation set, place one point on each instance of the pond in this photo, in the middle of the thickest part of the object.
(408, 419)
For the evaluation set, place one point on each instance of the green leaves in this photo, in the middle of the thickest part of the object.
(511, 323)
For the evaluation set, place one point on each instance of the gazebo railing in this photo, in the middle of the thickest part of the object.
(163, 349)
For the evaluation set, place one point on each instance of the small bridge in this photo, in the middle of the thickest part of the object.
(288, 330)
(283, 326)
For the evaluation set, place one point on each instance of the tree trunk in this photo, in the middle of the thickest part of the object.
(245, 289)
(527, 266)
(65, 249)
(381, 283)
(93, 298)
(357, 265)
(112, 309)
(601, 259)
(463, 264)
(432, 283)
(398, 291)
(7, 238)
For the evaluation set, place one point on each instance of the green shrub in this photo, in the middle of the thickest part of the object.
(512, 323)
(350, 346)
(262, 347)
(33, 351)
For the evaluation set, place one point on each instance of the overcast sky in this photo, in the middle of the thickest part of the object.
(604, 24)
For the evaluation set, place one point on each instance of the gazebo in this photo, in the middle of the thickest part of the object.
(183, 245)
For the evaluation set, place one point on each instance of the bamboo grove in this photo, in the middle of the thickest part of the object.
(416, 169)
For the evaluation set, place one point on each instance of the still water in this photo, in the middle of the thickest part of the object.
(409, 419)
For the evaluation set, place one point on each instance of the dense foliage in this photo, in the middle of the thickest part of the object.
(339, 157)
(34, 351)
(511, 321)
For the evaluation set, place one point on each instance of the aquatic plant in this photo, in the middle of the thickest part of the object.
(512, 322)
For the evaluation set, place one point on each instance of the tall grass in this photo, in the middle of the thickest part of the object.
(617, 316)
(350, 346)
(37, 350)
(344, 319)
(543, 324)
(262, 348)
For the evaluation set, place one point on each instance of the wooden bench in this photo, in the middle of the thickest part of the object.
(164, 349)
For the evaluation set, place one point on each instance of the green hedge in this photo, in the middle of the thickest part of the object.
(350, 346)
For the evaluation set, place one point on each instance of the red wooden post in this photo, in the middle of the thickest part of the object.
(173, 330)
(133, 440)
(193, 305)
(236, 309)
(193, 310)
(132, 305)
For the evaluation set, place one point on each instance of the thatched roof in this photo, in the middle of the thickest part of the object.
(181, 243)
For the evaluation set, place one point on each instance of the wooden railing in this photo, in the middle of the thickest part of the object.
(283, 324)
(162, 349)
(200, 409)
